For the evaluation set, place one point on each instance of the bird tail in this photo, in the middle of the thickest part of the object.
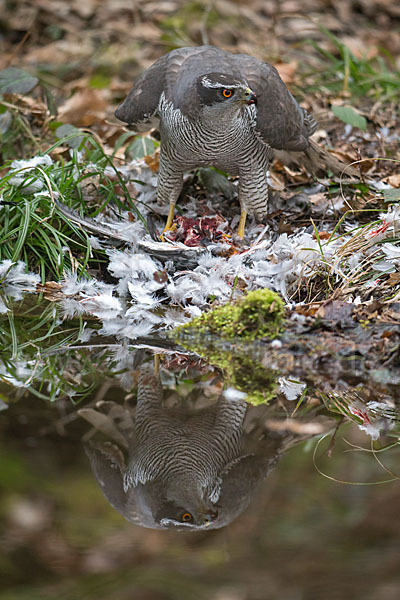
(317, 161)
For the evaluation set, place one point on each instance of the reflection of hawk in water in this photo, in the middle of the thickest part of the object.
(183, 470)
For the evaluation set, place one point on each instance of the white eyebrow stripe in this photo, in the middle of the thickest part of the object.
(210, 84)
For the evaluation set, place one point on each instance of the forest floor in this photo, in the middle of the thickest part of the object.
(329, 238)
(331, 249)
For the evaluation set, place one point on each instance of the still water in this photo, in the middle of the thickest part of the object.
(142, 471)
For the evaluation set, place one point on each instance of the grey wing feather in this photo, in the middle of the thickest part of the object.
(169, 75)
(142, 101)
(239, 484)
(281, 122)
(108, 474)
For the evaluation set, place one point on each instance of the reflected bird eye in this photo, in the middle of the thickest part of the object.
(186, 517)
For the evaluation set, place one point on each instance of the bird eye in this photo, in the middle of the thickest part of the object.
(227, 93)
(186, 517)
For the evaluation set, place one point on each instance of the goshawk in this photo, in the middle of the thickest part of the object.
(189, 467)
(221, 109)
(181, 468)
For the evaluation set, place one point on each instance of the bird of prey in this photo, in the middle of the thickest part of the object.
(221, 109)
(175, 468)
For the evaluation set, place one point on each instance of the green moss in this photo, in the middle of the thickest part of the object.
(257, 315)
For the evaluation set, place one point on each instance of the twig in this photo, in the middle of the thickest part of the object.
(17, 49)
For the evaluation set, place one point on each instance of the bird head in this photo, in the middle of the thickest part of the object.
(182, 518)
(157, 503)
(221, 90)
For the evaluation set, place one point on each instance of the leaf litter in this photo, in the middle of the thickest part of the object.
(349, 258)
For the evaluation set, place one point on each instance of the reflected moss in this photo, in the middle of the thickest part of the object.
(256, 316)
(240, 365)
(253, 378)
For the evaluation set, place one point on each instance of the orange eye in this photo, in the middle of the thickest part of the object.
(227, 93)
(186, 517)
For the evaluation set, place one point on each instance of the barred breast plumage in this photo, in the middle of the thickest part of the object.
(178, 461)
(217, 108)
(187, 469)
(181, 455)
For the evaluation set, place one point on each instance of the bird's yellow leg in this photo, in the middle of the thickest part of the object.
(242, 223)
(156, 364)
(168, 226)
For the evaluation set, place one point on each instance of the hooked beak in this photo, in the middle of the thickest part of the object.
(250, 97)
(210, 517)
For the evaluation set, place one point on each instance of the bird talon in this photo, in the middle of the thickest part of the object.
(173, 228)
(242, 223)
(169, 226)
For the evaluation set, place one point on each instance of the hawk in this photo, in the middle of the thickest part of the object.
(214, 108)
(189, 467)
(176, 464)
(178, 468)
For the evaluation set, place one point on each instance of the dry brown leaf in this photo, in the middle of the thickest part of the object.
(83, 109)
(153, 161)
(391, 316)
(317, 198)
(323, 235)
(60, 151)
(34, 108)
(51, 285)
(394, 278)
(287, 71)
(308, 310)
(393, 180)
(366, 165)
(85, 9)
(51, 290)
(145, 31)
